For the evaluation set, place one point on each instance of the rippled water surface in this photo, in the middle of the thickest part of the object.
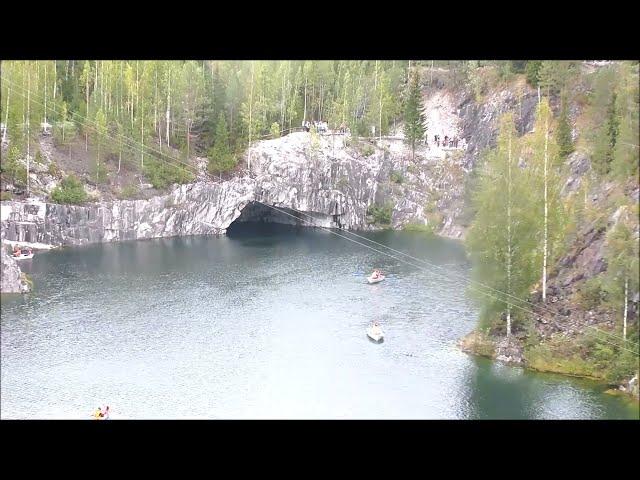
(265, 323)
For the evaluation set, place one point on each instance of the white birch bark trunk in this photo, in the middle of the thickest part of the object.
(86, 133)
(6, 116)
(546, 210)
(45, 92)
(250, 124)
(509, 239)
(168, 107)
(626, 297)
(55, 79)
(28, 126)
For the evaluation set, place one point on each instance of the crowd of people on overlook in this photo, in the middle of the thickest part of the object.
(440, 141)
(319, 126)
(447, 141)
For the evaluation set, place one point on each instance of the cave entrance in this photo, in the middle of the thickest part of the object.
(257, 218)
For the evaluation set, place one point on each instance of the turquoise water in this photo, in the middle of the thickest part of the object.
(264, 323)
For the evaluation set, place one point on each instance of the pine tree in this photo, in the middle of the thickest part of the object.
(413, 116)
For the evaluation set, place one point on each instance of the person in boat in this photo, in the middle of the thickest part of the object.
(98, 414)
(16, 251)
(375, 329)
(105, 413)
(376, 274)
(28, 251)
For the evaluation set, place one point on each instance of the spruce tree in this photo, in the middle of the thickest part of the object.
(563, 134)
(413, 117)
(221, 159)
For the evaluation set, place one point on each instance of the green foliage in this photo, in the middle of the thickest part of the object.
(98, 171)
(413, 116)
(623, 255)
(69, 191)
(563, 133)
(14, 169)
(64, 133)
(275, 130)
(626, 153)
(531, 71)
(38, 157)
(367, 150)
(54, 170)
(5, 196)
(221, 158)
(419, 228)
(504, 231)
(128, 191)
(381, 214)
(396, 177)
(591, 294)
(161, 174)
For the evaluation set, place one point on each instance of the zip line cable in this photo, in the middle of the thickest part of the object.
(423, 268)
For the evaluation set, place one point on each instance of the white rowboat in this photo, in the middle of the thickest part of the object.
(375, 334)
(24, 257)
(375, 280)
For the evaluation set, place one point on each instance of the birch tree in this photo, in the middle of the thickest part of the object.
(502, 236)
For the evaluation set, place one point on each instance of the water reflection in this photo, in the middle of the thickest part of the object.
(261, 324)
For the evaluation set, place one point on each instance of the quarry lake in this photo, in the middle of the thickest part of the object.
(267, 322)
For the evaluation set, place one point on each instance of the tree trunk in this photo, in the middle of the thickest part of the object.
(55, 78)
(142, 136)
(304, 117)
(380, 118)
(45, 92)
(546, 207)
(168, 107)
(6, 116)
(155, 107)
(509, 238)
(626, 296)
(250, 124)
(86, 133)
(28, 124)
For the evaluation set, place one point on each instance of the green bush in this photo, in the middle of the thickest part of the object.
(54, 170)
(162, 174)
(70, 191)
(591, 294)
(396, 177)
(381, 214)
(531, 72)
(367, 150)
(14, 169)
(5, 196)
(63, 133)
(221, 162)
(128, 191)
(418, 228)
(275, 130)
